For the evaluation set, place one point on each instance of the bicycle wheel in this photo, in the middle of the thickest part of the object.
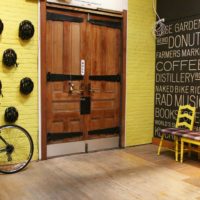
(16, 148)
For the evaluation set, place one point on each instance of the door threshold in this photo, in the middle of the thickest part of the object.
(78, 147)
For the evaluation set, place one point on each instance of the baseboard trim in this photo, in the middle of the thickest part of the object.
(166, 143)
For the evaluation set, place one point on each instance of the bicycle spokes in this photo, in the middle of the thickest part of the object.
(2, 150)
(16, 148)
(3, 140)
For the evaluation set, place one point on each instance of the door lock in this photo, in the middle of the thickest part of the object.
(73, 90)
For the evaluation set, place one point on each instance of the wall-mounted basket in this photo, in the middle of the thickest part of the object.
(26, 86)
(11, 115)
(26, 30)
(9, 58)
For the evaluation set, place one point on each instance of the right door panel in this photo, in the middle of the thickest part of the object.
(104, 80)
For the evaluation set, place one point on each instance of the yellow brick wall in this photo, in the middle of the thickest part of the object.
(12, 13)
(140, 73)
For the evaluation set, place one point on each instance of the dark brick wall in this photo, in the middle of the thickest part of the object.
(173, 9)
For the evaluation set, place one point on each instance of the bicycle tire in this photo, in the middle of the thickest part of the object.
(20, 140)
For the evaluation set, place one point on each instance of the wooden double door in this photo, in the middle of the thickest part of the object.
(83, 67)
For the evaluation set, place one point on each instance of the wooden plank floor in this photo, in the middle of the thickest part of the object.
(128, 174)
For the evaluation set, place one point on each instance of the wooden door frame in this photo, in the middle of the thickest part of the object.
(43, 79)
(43, 76)
(123, 75)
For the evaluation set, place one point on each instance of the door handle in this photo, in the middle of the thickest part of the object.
(92, 90)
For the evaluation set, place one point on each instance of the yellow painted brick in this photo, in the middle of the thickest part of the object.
(12, 13)
(140, 73)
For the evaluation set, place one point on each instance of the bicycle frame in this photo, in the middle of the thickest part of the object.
(3, 149)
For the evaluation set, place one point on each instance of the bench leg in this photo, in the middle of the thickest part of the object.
(176, 147)
(160, 145)
(182, 150)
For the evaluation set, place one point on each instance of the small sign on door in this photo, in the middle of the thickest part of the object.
(82, 67)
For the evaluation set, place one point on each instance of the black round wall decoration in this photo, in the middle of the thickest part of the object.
(9, 58)
(26, 30)
(1, 26)
(26, 86)
(11, 114)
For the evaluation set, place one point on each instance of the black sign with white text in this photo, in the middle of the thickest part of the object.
(177, 78)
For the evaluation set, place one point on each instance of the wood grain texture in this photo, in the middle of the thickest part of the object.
(105, 59)
(130, 174)
(66, 44)
(63, 47)
(101, 48)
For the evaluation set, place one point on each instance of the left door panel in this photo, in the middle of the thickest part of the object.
(64, 47)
